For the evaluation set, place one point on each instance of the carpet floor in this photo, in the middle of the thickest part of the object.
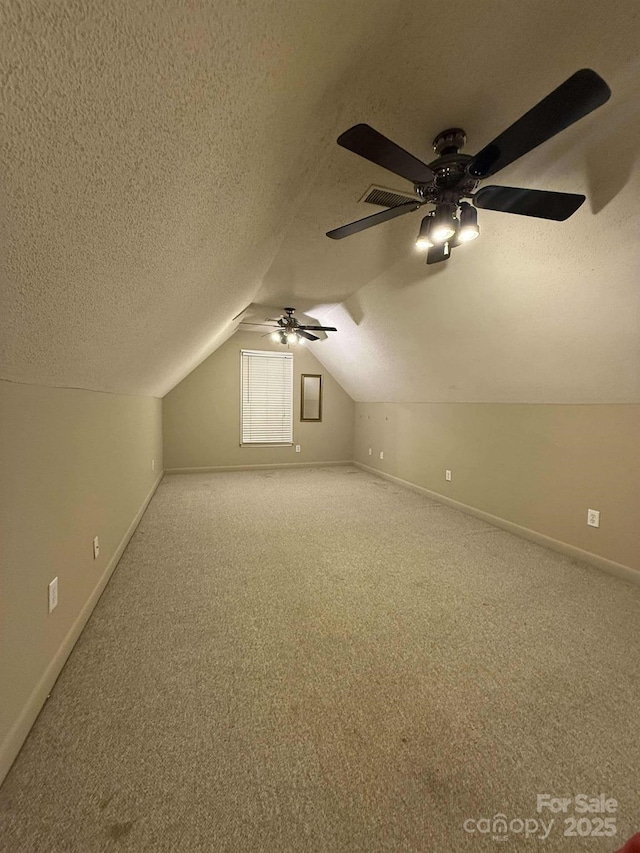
(320, 660)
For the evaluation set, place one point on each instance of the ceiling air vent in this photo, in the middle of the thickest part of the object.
(384, 197)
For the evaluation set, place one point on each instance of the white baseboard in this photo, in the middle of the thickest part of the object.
(18, 732)
(254, 467)
(618, 569)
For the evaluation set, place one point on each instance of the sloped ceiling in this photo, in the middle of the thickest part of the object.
(166, 164)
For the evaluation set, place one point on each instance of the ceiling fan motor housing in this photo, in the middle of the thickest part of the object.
(288, 322)
(452, 180)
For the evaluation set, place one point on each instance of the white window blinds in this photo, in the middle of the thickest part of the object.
(266, 409)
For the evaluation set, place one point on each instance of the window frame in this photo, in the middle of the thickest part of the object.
(284, 356)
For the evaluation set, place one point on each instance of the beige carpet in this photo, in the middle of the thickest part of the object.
(318, 660)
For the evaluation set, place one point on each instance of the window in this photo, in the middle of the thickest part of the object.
(266, 404)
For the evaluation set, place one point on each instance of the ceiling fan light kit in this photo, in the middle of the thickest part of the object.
(453, 177)
(445, 224)
(285, 338)
(469, 228)
(424, 239)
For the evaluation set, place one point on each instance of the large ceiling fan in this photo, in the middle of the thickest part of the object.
(453, 177)
(288, 329)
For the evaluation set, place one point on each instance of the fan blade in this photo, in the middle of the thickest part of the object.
(373, 146)
(307, 335)
(375, 219)
(540, 203)
(439, 253)
(319, 328)
(576, 97)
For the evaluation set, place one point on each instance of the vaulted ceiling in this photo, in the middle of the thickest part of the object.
(164, 164)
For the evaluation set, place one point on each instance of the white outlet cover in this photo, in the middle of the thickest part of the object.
(593, 517)
(53, 594)
(153, 464)
(447, 474)
(370, 451)
(297, 448)
(96, 548)
(382, 454)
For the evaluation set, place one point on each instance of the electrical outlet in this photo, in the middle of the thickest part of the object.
(370, 451)
(447, 474)
(593, 517)
(96, 548)
(53, 594)
(297, 448)
(382, 454)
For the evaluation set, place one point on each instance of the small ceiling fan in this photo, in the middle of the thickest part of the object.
(453, 177)
(288, 329)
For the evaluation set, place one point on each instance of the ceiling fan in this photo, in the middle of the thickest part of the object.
(289, 330)
(453, 177)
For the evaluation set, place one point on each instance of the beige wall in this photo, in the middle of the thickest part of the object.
(201, 416)
(74, 464)
(538, 466)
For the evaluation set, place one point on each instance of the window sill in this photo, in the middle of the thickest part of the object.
(267, 444)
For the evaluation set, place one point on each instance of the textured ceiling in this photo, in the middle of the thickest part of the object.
(165, 164)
